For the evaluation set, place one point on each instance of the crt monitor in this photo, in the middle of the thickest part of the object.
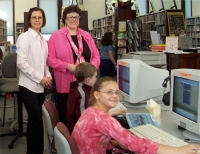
(138, 82)
(185, 101)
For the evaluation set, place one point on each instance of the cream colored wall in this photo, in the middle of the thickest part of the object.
(195, 7)
(95, 8)
(22, 6)
(167, 4)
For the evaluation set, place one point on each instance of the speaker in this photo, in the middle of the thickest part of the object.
(166, 96)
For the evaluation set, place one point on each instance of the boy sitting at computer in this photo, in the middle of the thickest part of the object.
(86, 75)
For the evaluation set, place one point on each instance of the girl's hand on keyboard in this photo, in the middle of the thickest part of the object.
(188, 149)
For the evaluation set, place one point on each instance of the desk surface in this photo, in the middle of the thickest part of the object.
(164, 121)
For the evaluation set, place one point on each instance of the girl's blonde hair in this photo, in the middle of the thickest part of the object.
(97, 87)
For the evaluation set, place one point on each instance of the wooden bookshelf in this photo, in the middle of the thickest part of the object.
(3, 34)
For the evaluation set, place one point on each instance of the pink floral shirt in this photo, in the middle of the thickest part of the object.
(95, 128)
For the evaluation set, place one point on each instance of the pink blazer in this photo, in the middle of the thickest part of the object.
(60, 55)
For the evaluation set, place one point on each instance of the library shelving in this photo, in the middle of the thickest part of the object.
(101, 26)
(19, 29)
(115, 23)
(166, 23)
(134, 35)
(3, 34)
(193, 30)
(122, 13)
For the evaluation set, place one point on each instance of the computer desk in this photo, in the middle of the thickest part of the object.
(164, 121)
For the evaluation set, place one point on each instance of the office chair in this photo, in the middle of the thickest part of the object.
(10, 86)
(9, 79)
(50, 119)
(63, 141)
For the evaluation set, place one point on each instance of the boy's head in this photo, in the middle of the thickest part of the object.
(86, 73)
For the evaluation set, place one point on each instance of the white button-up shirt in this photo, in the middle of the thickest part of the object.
(32, 52)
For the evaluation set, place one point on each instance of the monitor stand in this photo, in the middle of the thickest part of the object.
(191, 136)
(137, 105)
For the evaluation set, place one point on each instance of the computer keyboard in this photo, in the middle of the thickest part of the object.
(153, 133)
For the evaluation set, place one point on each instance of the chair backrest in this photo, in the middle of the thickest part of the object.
(50, 116)
(9, 68)
(63, 141)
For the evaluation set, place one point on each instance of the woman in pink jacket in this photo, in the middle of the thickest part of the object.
(68, 47)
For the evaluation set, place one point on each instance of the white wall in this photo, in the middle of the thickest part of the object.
(167, 4)
(22, 6)
(95, 8)
(195, 7)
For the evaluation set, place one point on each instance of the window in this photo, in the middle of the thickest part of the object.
(6, 13)
(50, 9)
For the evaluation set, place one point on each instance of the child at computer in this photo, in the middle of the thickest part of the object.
(86, 75)
(96, 131)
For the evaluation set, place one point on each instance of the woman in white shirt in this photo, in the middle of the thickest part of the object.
(32, 51)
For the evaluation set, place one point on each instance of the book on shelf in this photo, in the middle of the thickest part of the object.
(130, 26)
(121, 43)
(122, 26)
(121, 50)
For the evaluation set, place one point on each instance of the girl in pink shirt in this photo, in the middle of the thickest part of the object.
(96, 131)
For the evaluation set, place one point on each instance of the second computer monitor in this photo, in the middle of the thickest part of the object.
(139, 82)
(185, 101)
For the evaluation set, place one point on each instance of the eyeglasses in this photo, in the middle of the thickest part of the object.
(75, 17)
(110, 92)
(36, 18)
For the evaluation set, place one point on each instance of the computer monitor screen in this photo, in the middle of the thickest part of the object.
(124, 79)
(185, 100)
(138, 82)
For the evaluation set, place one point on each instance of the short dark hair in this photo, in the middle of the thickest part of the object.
(33, 10)
(107, 39)
(70, 9)
(84, 70)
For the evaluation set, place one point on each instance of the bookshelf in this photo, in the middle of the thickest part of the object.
(122, 13)
(101, 26)
(162, 22)
(193, 30)
(3, 34)
(116, 24)
(134, 35)
(19, 30)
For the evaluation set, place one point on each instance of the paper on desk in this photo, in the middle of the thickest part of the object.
(175, 51)
(151, 103)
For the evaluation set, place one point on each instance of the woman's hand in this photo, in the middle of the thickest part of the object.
(188, 149)
(46, 82)
(71, 68)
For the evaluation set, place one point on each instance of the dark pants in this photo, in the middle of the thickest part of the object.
(62, 106)
(106, 68)
(35, 135)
